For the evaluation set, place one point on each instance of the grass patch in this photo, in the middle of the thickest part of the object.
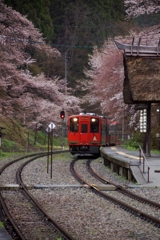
(1, 224)
(62, 156)
(9, 154)
(156, 152)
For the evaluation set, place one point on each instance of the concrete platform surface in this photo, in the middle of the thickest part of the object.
(147, 171)
(4, 235)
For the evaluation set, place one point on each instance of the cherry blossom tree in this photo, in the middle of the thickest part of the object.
(107, 74)
(39, 99)
(31, 99)
(135, 8)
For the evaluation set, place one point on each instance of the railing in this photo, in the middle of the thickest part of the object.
(142, 158)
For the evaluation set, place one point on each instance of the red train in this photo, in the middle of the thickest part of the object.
(87, 132)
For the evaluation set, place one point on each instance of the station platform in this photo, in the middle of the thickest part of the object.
(146, 174)
(4, 235)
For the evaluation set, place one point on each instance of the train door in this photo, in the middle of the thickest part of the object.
(95, 130)
(84, 128)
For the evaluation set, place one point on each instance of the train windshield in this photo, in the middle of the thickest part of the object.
(94, 125)
(74, 124)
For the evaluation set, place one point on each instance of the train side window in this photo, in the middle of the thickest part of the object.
(74, 125)
(84, 128)
(94, 125)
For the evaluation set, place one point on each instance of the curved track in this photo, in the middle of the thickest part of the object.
(121, 189)
(60, 231)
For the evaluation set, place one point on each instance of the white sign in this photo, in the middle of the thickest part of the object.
(51, 125)
(143, 120)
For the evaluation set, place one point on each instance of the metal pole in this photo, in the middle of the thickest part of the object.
(148, 130)
(48, 154)
(139, 155)
(143, 164)
(62, 134)
(51, 149)
(148, 173)
(123, 128)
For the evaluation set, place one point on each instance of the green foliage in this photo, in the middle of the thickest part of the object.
(146, 20)
(9, 154)
(8, 145)
(48, 64)
(18, 138)
(40, 144)
(90, 19)
(80, 25)
(73, 27)
(36, 11)
(136, 140)
(131, 144)
(1, 224)
(139, 138)
(34, 69)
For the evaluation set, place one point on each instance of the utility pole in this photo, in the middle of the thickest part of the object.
(65, 71)
(62, 115)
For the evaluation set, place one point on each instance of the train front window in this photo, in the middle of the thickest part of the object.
(94, 125)
(74, 124)
(84, 128)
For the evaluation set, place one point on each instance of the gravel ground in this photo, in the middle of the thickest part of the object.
(82, 213)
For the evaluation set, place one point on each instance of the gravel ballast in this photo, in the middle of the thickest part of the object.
(82, 213)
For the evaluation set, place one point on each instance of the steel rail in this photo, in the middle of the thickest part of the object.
(18, 159)
(10, 219)
(61, 230)
(121, 189)
(2, 200)
(125, 206)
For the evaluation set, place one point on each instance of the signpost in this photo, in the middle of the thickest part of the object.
(49, 129)
(1, 135)
(51, 125)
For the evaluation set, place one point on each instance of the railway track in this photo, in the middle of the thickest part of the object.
(75, 207)
(121, 189)
(43, 224)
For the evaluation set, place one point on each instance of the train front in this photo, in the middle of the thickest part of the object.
(84, 134)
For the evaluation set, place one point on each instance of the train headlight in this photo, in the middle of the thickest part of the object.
(75, 119)
(93, 119)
